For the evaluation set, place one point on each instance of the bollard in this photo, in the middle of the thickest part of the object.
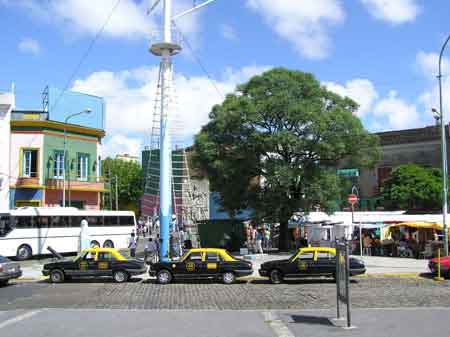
(438, 277)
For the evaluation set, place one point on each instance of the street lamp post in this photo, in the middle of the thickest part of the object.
(86, 111)
(444, 152)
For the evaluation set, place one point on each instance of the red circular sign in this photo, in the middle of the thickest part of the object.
(352, 199)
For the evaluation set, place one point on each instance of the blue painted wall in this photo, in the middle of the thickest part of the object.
(70, 102)
(24, 194)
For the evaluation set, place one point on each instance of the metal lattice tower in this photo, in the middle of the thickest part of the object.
(189, 206)
(172, 171)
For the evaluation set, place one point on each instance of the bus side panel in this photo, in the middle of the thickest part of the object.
(17, 238)
(117, 234)
(63, 239)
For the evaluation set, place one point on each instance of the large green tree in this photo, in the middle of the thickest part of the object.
(273, 144)
(411, 187)
(129, 178)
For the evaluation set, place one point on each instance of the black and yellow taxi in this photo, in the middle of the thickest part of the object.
(308, 261)
(202, 263)
(95, 262)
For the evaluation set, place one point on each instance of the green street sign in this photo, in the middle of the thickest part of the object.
(348, 172)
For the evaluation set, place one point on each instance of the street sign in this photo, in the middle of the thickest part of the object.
(352, 199)
(343, 279)
(348, 172)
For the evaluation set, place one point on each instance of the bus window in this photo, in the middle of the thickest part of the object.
(111, 220)
(43, 221)
(95, 221)
(126, 221)
(5, 225)
(24, 222)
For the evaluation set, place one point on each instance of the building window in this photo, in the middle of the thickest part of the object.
(58, 168)
(82, 167)
(383, 173)
(29, 163)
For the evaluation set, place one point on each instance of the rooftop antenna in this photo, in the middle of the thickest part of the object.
(165, 49)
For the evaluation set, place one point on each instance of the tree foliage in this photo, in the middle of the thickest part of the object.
(129, 177)
(274, 143)
(411, 187)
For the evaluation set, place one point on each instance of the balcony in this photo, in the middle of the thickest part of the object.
(92, 184)
(27, 182)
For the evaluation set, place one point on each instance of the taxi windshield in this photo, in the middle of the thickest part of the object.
(293, 256)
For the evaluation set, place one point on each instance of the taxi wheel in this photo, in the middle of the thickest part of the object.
(56, 276)
(228, 278)
(275, 276)
(164, 277)
(120, 276)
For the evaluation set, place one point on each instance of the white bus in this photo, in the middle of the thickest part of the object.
(28, 231)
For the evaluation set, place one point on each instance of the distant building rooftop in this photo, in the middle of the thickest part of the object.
(428, 133)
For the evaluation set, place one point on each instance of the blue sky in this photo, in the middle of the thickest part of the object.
(381, 53)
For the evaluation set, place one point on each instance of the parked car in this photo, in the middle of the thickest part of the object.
(445, 266)
(310, 261)
(95, 262)
(8, 270)
(202, 263)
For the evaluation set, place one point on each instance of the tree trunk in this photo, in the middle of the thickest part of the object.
(283, 242)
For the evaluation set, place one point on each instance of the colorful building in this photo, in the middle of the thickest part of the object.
(34, 145)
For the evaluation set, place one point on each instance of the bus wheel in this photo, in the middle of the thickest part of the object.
(94, 243)
(108, 244)
(24, 252)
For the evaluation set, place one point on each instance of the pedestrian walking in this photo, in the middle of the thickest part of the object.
(150, 251)
(132, 244)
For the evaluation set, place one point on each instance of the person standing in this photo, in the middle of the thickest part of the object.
(132, 245)
(259, 238)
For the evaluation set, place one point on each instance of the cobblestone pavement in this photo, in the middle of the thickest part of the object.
(305, 294)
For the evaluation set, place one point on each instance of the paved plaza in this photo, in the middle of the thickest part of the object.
(414, 322)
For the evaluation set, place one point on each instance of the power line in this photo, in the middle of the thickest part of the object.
(199, 62)
(86, 54)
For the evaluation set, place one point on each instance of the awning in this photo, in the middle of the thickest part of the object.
(418, 225)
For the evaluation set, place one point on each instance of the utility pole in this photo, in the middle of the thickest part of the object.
(165, 49)
(444, 154)
(117, 194)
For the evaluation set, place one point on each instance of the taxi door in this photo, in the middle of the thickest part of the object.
(212, 264)
(325, 263)
(87, 264)
(104, 261)
(192, 266)
(303, 265)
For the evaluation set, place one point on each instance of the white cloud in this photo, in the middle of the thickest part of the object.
(130, 96)
(129, 19)
(378, 113)
(362, 91)
(303, 23)
(393, 11)
(120, 144)
(394, 113)
(228, 32)
(28, 45)
(428, 65)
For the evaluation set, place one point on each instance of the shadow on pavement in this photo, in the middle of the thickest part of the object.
(313, 320)
(92, 280)
(153, 281)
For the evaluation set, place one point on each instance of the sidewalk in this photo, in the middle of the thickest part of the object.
(375, 265)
